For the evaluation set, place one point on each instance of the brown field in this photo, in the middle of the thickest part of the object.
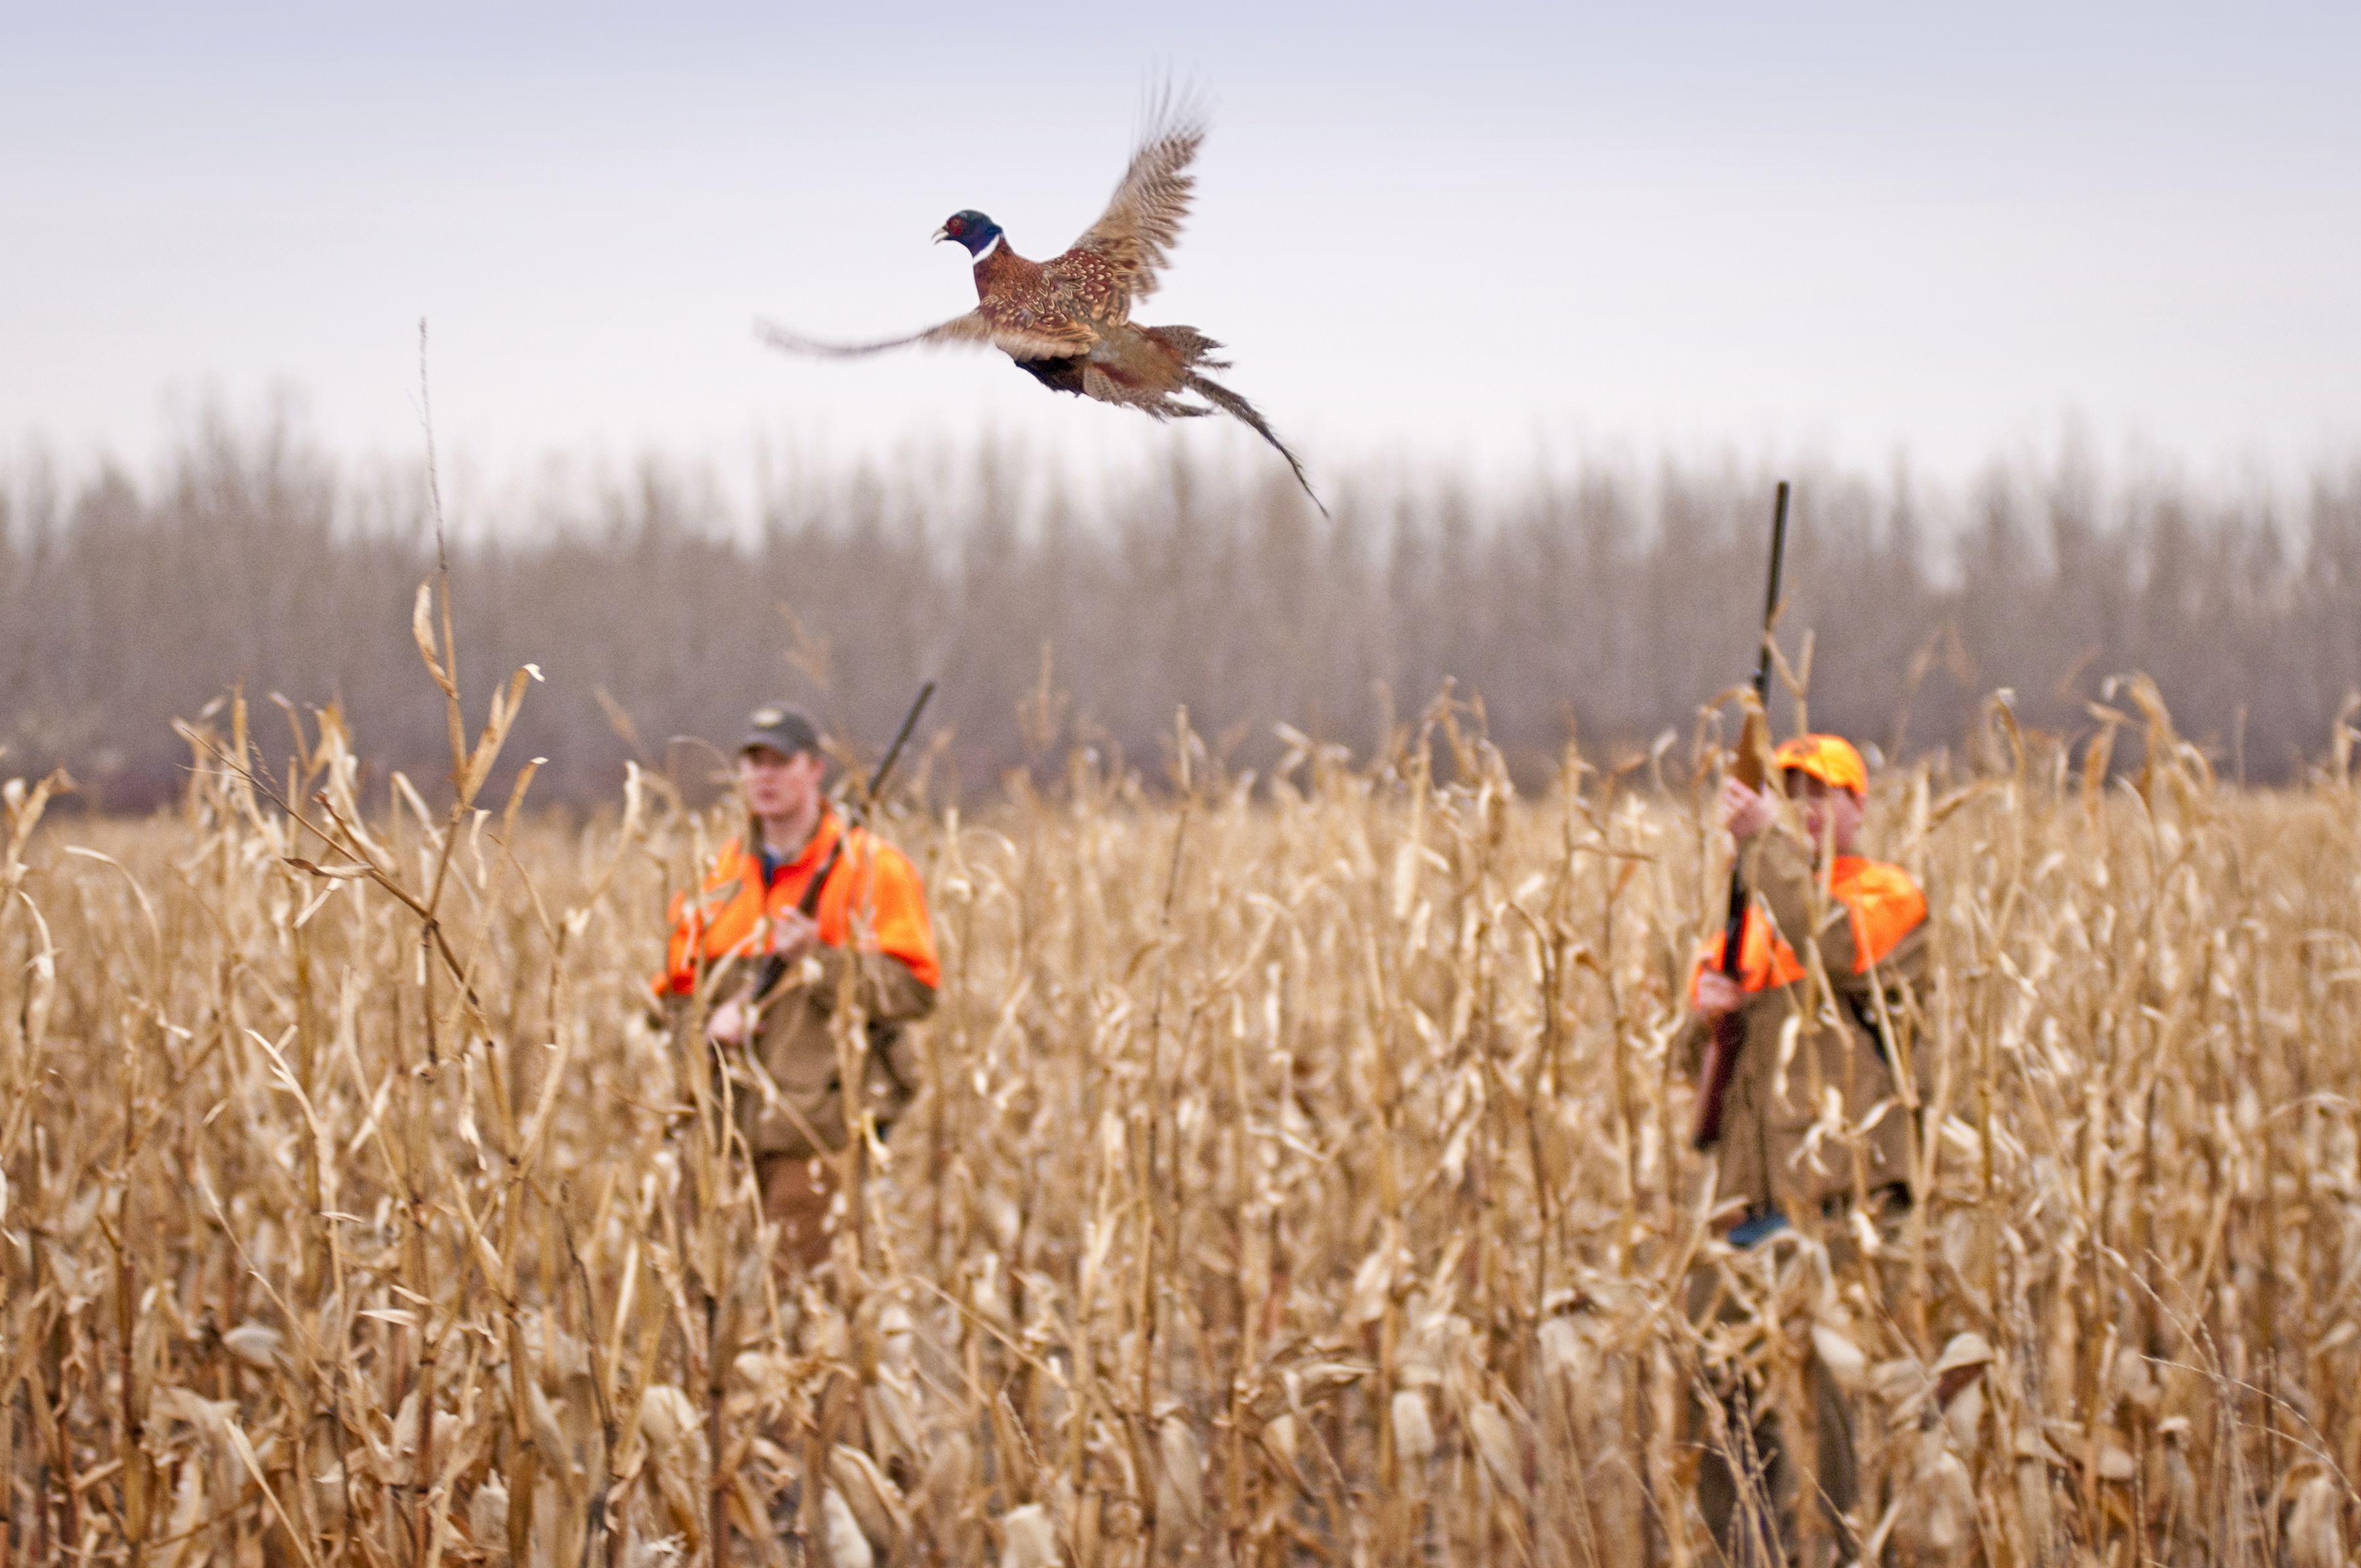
(1298, 1179)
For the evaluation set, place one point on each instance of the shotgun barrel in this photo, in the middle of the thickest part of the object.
(1729, 1029)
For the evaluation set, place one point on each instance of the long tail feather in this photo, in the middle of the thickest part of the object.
(1246, 414)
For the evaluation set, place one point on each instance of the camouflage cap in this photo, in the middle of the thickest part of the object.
(784, 730)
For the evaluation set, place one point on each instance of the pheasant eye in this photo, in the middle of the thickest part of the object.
(954, 227)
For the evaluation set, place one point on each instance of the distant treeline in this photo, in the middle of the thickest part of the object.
(1606, 601)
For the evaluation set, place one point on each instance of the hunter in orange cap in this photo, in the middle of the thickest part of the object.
(817, 915)
(1782, 1151)
(1872, 929)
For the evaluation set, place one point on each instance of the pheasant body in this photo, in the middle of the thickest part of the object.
(1067, 322)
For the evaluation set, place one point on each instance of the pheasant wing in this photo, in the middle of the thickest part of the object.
(974, 330)
(1142, 221)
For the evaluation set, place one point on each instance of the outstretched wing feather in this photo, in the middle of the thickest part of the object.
(1142, 222)
(973, 329)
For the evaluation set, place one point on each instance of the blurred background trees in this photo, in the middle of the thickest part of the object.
(1604, 600)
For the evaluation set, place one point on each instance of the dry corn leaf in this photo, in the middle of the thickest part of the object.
(1028, 1539)
(875, 1502)
(1413, 1430)
(1496, 1441)
(1181, 1475)
(841, 1533)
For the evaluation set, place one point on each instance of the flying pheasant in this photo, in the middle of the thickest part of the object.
(1067, 322)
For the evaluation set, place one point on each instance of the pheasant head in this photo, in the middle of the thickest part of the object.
(971, 229)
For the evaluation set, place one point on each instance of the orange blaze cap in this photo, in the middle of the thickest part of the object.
(1828, 758)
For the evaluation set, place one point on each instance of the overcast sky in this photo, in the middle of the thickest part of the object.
(1455, 231)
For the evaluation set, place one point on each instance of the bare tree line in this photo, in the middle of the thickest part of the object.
(1606, 602)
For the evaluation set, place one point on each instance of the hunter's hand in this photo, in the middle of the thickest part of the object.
(1718, 995)
(1746, 812)
(793, 935)
(726, 1024)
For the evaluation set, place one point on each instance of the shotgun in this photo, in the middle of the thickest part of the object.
(1729, 1029)
(773, 968)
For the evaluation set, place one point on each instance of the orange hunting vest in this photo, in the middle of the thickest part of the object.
(1885, 906)
(873, 890)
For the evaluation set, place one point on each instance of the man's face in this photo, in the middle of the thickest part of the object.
(777, 784)
(1830, 816)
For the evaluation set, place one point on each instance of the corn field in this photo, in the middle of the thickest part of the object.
(1299, 1176)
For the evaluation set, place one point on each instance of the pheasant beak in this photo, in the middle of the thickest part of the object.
(940, 234)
